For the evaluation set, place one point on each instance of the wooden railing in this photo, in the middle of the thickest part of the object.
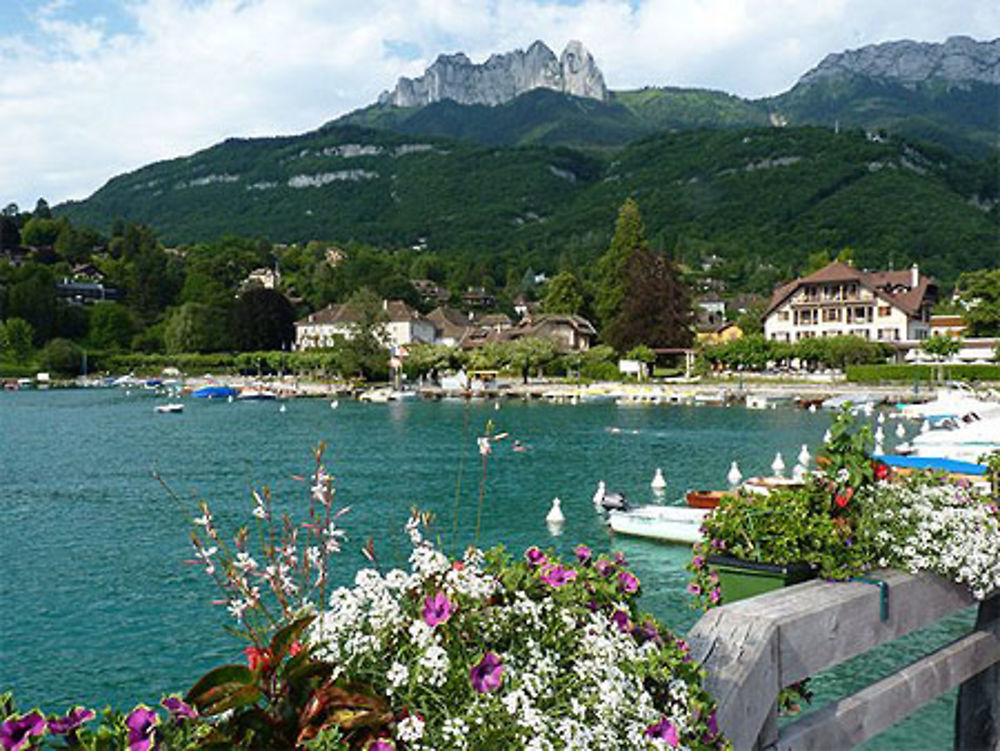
(753, 648)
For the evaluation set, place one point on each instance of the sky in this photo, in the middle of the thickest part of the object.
(90, 89)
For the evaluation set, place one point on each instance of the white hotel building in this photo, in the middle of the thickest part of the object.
(839, 300)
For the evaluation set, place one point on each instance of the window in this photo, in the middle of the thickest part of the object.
(783, 315)
(884, 310)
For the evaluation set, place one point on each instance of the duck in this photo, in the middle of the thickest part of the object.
(609, 501)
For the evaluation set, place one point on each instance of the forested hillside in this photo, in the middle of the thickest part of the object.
(762, 200)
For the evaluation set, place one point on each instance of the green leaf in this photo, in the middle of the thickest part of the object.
(229, 696)
(282, 641)
(223, 679)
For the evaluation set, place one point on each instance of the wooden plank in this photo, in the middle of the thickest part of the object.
(855, 719)
(741, 659)
(977, 715)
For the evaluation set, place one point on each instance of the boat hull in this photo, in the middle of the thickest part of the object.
(664, 523)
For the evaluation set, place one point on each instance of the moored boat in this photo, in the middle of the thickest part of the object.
(214, 392)
(664, 523)
(707, 499)
(169, 408)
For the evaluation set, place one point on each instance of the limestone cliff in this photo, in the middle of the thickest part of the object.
(501, 77)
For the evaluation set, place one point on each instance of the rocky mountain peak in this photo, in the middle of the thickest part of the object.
(502, 77)
(958, 60)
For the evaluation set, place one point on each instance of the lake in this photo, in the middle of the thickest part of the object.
(99, 606)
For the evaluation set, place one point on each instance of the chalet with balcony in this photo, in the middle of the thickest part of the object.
(839, 300)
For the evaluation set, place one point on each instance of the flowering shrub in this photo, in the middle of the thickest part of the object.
(488, 652)
(932, 525)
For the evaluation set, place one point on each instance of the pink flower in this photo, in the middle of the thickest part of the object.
(664, 731)
(555, 576)
(437, 609)
(488, 674)
(628, 583)
(382, 745)
(535, 556)
(714, 596)
(694, 589)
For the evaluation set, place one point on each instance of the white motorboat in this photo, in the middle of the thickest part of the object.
(664, 523)
(956, 439)
(954, 402)
(256, 394)
(169, 408)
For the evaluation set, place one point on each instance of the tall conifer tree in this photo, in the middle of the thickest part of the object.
(612, 267)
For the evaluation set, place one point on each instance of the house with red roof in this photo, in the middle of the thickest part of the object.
(840, 300)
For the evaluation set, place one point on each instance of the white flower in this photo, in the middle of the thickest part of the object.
(410, 729)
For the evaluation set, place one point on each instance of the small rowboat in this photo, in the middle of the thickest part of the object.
(705, 498)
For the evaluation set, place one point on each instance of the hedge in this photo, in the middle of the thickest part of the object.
(910, 373)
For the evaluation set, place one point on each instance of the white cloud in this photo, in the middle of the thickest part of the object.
(81, 100)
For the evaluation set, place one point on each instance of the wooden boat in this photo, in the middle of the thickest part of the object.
(705, 498)
(664, 523)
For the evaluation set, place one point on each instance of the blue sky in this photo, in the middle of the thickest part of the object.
(94, 88)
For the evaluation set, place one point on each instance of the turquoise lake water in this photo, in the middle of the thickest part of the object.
(99, 607)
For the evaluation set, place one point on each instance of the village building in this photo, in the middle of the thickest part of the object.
(569, 333)
(840, 300)
(262, 277)
(321, 329)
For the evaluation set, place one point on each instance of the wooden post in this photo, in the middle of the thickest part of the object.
(977, 714)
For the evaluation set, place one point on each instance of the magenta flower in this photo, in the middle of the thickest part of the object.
(71, 721)
(664, 731)
(713, 724)
(646, 632)
(487, 675)
(620, 558)
(555, 575)
(694, 589)
(583, 553)
(628, 583)
(697, 561)
(620, 617)
(437, 609)
(604, 568)
(141, 722)
(180, 709)
(382, 745)
(16, 732)
(535, 556)
(714, 596)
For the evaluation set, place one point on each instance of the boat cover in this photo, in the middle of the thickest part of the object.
(931, 462)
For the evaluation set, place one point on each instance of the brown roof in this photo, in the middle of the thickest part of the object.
(397, 311)
(891, 286)
(452, 323)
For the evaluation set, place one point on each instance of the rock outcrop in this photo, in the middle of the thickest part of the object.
(959, 60)
(501, 77)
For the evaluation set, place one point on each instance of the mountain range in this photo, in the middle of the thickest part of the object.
(889, 148)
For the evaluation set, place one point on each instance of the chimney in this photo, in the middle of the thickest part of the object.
(914, 276)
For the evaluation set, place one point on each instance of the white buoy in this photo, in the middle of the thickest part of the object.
(734, 475)
(881, 418)
(658, 483)
(804, 456)
(334, 404)
(900, 431)
(229, 398)
(555, 515)
(799, 473)
(879, 449)
(778, 465)
(879, 434)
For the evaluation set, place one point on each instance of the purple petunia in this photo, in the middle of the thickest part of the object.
(488, 674)
(180, 709)
(620, 558)
(141, 722)
(628, 583)
(694, 589)
(621, 619)
(646, 632)
(16, 732)
(382, 745)
(604, 568)
(664, 731)
(555, 575)
(583, 553)
(437, 609)
(698, 561)
(70, 721)
(535, 556)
